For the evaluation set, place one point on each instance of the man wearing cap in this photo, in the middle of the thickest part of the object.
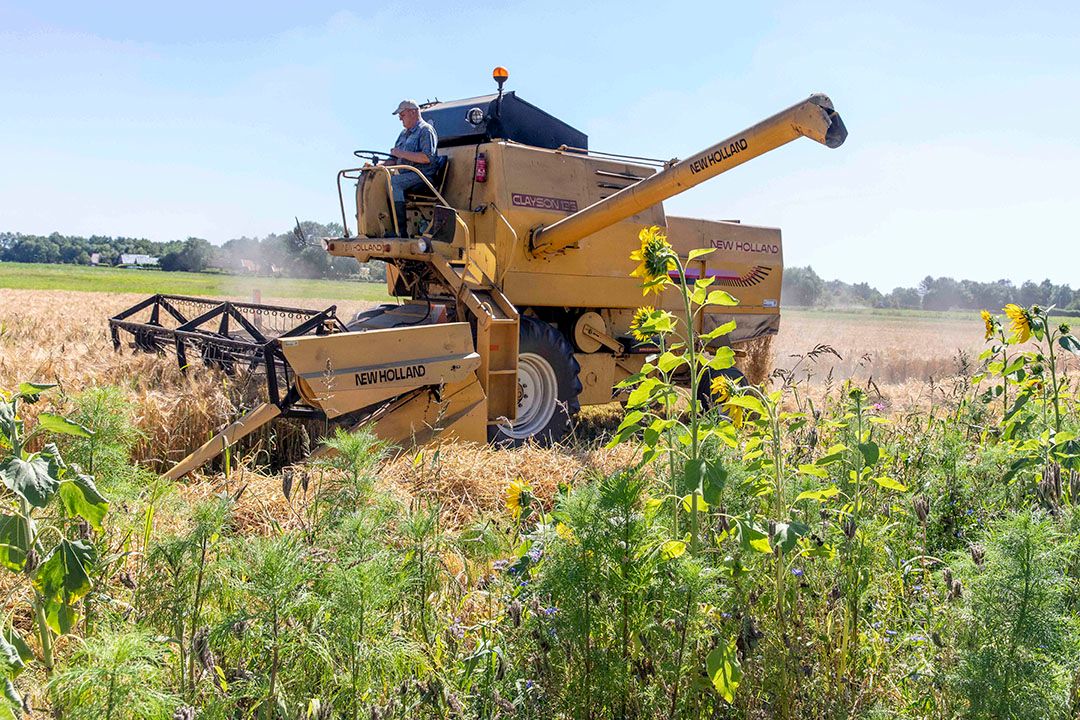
(416, 146)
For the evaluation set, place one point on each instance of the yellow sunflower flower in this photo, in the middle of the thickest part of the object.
(565, 532)
(988, 320)
(720, 389)
(518, 496)
(735, 413)
(1021, 322)
(655, 259)
(641, 316)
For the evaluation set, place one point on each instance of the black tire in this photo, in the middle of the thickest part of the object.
(734, 374)
(548, 374)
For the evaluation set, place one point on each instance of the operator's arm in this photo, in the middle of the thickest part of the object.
(427, 142)
(415, 157)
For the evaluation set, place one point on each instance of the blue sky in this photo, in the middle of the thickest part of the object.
(225, 119)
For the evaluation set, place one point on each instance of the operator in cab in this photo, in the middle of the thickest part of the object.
(416, 146)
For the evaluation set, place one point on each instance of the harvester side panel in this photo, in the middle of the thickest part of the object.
(345, 372)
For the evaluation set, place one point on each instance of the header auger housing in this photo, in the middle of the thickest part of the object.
(513, 272)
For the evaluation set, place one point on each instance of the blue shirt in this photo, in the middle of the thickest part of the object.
(421, 138)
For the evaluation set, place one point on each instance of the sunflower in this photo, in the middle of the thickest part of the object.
(565, 532)
(518, 497)
(720, 389)
(988, 320)
(736, 414)
(641, 316)
(1021, 322)
(655, 259)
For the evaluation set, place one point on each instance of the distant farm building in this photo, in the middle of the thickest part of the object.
(138, 260)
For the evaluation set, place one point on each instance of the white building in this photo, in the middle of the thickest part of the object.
(138, 260)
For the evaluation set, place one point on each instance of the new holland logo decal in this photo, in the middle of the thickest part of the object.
(726, 277)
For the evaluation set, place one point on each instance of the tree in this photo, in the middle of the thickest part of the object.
(195, 256)
(943, 294)
(906, 298)
(801, 286)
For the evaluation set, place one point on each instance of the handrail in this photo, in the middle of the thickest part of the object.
(505, 265)
(341, 198)
(390, 194)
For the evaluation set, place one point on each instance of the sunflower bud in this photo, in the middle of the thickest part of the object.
(977, 554)
(200, 648)
(454, 704)
(286, 482)
(955, 590)
(503, 704)
(921, 505)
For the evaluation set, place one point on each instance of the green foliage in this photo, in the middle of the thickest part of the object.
(44, 501)
(766, 557)
(803, 287)
(115, 675)
(1018, 645)
(106, 453)
(294, 254)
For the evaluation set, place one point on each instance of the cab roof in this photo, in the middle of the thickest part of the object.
(510, 118)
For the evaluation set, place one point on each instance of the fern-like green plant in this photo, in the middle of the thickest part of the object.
(1018, 643)
(117, 675)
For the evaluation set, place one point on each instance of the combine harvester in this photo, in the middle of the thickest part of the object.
(514, 275)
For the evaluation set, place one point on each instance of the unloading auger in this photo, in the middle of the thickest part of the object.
(514, 275)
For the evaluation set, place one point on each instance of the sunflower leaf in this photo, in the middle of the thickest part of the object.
(722, 665)
(721, 297)
(34, 478)
(58, 424)
(63, 579)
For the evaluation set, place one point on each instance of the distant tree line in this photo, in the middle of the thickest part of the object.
(803, 286)
(291, 253)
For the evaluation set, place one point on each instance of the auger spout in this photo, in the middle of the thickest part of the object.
(814, 118)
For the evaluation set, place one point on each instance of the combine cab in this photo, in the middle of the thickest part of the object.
(513, 272)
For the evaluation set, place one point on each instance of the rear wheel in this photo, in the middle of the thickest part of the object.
(547, 389)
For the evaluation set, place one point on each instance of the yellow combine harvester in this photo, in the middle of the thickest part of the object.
(514, 273)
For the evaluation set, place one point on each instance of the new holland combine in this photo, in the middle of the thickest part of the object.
(513, 275)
